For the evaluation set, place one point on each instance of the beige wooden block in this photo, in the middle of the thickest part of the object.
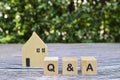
(33, 52)
(88, 65)
(51, 65)
(69, 66)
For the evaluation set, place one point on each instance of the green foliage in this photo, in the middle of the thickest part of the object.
(60, 20)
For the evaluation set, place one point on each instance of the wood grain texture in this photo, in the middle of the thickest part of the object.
(107, 55)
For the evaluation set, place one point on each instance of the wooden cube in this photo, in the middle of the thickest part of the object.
(51, 65)
(69, 66)
(88, 65)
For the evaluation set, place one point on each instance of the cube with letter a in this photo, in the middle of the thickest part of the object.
(88, 65)
(69, 66)
(51, 65)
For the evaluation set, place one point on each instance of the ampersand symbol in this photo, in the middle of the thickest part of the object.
(70, 68)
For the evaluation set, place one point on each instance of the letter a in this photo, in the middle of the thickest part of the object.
(89, 67)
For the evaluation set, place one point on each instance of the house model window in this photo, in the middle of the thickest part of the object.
(43, 50)
(31, 50)
(38, 50)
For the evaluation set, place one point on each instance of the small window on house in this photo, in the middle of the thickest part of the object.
(43, 50)
(38, 50)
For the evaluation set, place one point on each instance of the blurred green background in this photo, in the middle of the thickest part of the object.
(66, 21)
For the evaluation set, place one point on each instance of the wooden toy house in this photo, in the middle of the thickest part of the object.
(33, 52)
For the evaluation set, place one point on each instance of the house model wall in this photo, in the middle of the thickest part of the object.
(33, 52)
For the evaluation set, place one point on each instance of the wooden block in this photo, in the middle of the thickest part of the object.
(88, 65)
(69, 66)
(34, 51)
(51, 65)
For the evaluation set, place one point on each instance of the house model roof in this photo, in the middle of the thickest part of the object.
(35, 38)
